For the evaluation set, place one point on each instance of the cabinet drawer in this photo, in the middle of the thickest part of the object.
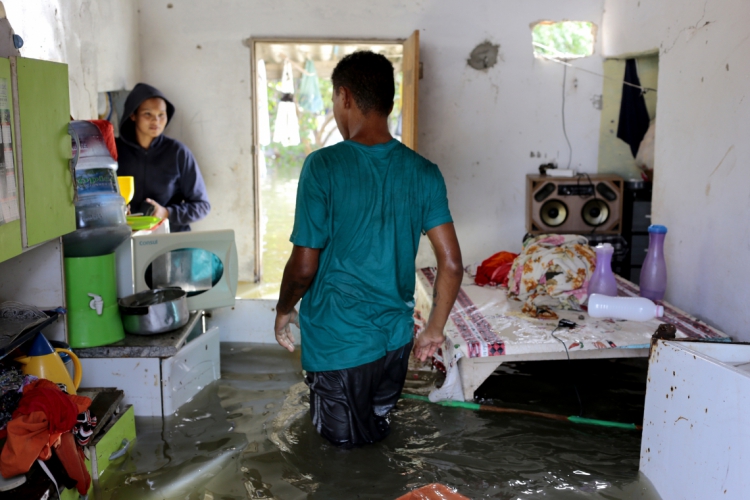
(641, 216)
(107, 448)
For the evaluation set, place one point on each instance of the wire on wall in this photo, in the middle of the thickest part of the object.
(567, 64)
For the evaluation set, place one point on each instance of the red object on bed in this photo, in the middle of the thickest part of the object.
(494, 270)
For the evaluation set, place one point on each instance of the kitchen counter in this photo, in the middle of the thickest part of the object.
(162, 345)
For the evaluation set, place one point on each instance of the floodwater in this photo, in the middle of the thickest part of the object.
(249, 435)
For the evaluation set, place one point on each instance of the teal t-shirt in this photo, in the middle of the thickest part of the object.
(364, 207)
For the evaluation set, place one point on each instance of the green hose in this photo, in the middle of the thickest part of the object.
(477, 407)
(603, 423)
(452, 404)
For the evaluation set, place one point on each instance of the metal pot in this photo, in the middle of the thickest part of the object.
(154, 311)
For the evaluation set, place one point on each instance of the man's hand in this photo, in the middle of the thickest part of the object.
(159, 211)
(283, 331)
(427, 343)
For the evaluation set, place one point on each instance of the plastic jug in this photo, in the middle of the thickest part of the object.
(44, 362)
(654, 270)
(630, 308)
(603, 280)
(100, 210)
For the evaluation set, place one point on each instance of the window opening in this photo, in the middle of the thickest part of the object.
(295, 118)
(564, 39)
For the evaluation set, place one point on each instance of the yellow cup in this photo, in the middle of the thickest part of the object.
(127, 187)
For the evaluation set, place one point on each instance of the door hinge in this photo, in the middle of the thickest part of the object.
(421, 70)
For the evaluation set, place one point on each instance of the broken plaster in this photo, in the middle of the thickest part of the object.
(484, 56)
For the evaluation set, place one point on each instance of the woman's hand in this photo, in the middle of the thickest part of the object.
(159, 211)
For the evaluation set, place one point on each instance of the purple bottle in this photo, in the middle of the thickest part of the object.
(654, 270)
(603, 281)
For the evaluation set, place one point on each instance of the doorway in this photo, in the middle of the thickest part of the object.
(293, 116)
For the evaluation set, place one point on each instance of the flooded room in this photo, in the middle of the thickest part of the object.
(388, 249)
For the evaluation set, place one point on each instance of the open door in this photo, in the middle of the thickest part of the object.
(410, 91)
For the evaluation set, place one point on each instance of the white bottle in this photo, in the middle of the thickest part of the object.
(630, 308)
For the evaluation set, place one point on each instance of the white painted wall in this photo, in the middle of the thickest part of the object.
(701, 179)
(97, 39)
(479, 127)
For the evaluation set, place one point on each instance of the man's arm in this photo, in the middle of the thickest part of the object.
(299, 273)
(449, 275)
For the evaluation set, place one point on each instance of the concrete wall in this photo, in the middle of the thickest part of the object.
(97, 39)
(481, 128)
(701, 178)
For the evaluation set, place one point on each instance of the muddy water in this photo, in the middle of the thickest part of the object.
(249, 436)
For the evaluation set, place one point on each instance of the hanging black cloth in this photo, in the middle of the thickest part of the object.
(634, 118)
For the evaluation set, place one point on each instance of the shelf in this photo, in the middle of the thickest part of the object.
(7, 348)
(163, 345)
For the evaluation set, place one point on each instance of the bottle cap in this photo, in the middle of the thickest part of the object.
(605, 246)
(659, 311)
(655, 228)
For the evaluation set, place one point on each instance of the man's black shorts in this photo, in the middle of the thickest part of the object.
(350, 407)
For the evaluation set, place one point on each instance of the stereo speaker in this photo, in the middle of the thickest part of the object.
(585, 204)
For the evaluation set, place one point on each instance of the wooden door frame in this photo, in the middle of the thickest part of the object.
(253, 98)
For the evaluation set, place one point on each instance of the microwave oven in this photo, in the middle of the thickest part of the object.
(203, 263)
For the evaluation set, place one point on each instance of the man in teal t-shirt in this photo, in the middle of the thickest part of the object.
(361, 206)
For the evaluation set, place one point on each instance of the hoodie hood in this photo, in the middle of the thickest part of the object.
(140, 93)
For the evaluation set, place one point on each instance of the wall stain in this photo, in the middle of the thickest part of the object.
(722, 160)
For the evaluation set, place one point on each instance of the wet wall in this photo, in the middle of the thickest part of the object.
(701, 148)
(486, 128)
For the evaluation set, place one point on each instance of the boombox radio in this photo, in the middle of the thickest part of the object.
(584, 204)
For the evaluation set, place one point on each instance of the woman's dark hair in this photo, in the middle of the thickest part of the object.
(369, 77)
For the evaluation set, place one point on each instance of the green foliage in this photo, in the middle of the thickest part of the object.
(563, 40)
(285, 158)
(310, 128)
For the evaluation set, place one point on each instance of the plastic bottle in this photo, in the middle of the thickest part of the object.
(654, 271)
(603, 281)
(630, 308)
(100, 210)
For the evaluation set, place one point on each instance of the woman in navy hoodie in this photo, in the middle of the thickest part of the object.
(168, 182)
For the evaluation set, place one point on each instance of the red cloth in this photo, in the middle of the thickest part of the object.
(43, 415)
(494, 270)
(108, 132)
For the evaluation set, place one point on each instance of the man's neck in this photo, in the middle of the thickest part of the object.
(371, 131)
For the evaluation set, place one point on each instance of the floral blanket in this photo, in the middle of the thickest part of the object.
(553, 270)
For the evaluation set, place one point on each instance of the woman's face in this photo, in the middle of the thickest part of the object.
(151, 117)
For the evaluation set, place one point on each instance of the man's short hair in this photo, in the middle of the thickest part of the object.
(369, 77)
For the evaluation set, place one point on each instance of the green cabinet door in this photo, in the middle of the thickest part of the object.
(44, 110)
(10, 225)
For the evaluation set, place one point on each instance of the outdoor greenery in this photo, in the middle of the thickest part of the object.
(563, 40)
(311, 134)
(315, 129)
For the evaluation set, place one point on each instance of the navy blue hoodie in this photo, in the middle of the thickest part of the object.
(166, 172)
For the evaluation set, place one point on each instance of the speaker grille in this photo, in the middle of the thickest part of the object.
(554, 213)
(595, 212)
